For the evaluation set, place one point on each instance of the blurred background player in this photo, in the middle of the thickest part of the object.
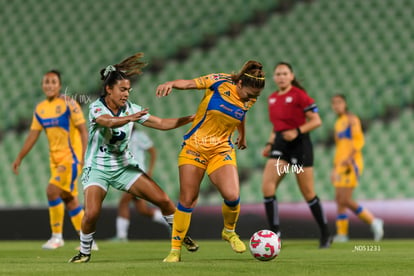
(348, 167)
(64, 124)
(208, 147)
(108, 161)
(140, 144)
(293, 115)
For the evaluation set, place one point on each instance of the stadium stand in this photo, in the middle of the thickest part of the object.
(359, 48)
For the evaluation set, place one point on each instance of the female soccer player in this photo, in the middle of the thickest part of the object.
(293, 115)
(108, 161)
(348, 166)
(64, 124)
(208, 147)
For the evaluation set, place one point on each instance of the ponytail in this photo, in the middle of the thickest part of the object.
(125, 69)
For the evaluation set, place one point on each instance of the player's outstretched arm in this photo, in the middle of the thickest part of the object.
(114, 122)
(167, 123)
(166, 88)
(27, 146)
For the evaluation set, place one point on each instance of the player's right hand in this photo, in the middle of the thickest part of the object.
(136, 116)
(164, 89)
(15, 166)
(266, 150)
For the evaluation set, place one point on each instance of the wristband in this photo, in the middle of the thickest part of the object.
(299, 132)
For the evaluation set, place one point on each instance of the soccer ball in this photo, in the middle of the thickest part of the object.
(265, 245)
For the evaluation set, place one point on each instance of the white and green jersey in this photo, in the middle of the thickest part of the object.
(108, 147)
(138, 145)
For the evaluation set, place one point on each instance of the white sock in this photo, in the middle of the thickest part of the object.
(122, 226)
(86, 241)
(57, 235)
(157, 217)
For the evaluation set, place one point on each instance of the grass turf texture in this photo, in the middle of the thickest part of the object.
(298, 257)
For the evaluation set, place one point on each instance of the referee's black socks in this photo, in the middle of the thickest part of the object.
(317, 211)
(272, 213)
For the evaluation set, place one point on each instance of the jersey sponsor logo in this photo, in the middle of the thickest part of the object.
(117, 136)
(200, 161)
(239, 113)
(97, 110)
(191, 152)
(289, 99)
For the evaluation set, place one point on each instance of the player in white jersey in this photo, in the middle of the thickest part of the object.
(108, 161)
(140, 145)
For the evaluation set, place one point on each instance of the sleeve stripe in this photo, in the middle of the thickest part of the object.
(313, 107)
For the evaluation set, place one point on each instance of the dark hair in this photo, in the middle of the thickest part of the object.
(343, 97)
(251, 75)
(56, 72)
(123, 70)
(295, 82)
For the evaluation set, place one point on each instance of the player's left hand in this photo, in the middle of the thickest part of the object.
(241, 143)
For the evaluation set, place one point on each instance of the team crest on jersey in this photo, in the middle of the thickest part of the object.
(289, 99)
(58, 109)
(272, 100)
(227, 93)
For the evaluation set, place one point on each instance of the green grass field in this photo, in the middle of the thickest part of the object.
(298, 257)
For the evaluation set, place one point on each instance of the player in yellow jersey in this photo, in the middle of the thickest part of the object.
(208, 147)
(348, 166)
(64, 124)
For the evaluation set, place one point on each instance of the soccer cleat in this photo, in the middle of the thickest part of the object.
(190, 244)
(173, 257)
(341, 238)
(80, 258)
(236, 244)
(377, 227)
(325, 242)
(53, 243)
(94, 247)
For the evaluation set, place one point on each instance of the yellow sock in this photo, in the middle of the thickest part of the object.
(76, 216)
(364, 214)
(230, 211)
(342, 224)
(56, 215)
(182, 218)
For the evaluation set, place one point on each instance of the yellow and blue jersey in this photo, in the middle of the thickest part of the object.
(348, 137)
(59, 118)
(219, 114)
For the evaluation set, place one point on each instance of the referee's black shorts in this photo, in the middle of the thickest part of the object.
(296, 152)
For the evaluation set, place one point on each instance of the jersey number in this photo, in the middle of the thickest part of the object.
(117, 136)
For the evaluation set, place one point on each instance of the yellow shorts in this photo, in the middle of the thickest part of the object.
(347, 177)
(207, 160)
(65, 176)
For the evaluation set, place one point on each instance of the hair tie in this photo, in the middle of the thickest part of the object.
(254, 77)
(108, 70)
